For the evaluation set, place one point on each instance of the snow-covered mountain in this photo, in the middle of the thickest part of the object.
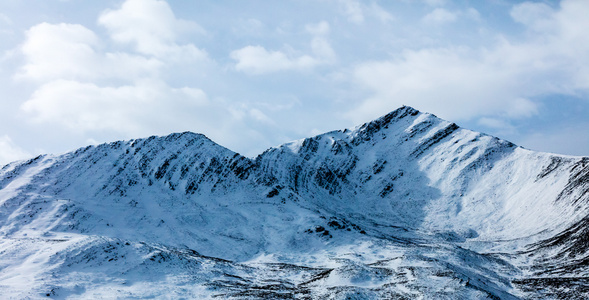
(407, 206)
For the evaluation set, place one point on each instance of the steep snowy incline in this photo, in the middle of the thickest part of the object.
(182, 190)
(408, 205)
(414, 170)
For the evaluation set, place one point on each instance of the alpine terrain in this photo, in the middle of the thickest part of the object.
(408, 206)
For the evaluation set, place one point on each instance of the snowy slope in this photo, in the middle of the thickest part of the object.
(405, 206)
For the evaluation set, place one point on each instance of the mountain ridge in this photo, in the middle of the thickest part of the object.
(349, 212)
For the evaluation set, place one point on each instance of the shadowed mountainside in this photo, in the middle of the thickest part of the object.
(406, 206)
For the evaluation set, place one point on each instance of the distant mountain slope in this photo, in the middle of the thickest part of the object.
(406, 206)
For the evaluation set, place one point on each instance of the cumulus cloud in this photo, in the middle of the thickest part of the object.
(151, 27)
(72, 51)
(9, 151)
(84, 88)
(144, 70)
(438, 80)
(120, 84)
(144, 108)
(258, 60)
(58, 50)
(501, 81)
(136, 109)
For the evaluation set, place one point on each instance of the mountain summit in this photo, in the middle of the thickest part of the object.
(406, 206)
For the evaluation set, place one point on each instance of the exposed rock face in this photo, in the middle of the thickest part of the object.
(405, 206)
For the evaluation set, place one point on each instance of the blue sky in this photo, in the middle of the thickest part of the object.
(255, 74)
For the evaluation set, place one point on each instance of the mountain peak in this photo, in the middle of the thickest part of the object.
(408, 198)
(395, 115)
(177, 136)
(367, 130)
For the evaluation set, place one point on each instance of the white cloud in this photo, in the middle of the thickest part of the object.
(54, 51)
(10, 152)
(438, 80)
(258, 60)
(151, 27)
(72, 51)
(440, 16)
(84, 88)
(500, 81)
(87, 107)
(148, 107)
(142, 65)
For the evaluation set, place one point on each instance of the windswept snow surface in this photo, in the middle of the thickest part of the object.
(408, 206)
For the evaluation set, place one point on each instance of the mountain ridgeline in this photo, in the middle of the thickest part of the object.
(405, 206)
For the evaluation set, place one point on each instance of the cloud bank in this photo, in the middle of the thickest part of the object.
(251, 78)
(88, 84)
(503, 81)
